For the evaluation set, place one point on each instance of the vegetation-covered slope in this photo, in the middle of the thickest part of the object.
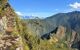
(63, 26)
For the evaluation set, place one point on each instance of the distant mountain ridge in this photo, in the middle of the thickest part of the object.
(29, 17)
(70, 20)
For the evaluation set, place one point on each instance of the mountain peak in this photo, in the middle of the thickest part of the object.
(74, 12)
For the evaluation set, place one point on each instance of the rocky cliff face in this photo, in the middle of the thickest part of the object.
(7, 17)
(10, 38)
(60, 34)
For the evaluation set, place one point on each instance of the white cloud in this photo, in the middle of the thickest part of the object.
(19, 13)
(75, 5)
(56, 9)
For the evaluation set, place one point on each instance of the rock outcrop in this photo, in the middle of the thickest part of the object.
(8, 41)
(61, 32)
(10, 38)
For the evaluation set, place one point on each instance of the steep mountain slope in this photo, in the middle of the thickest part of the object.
(39, 26)
(10, 28)
(59, 27)
(70, 20)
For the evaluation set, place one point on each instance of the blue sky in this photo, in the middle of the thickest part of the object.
(43, 8)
